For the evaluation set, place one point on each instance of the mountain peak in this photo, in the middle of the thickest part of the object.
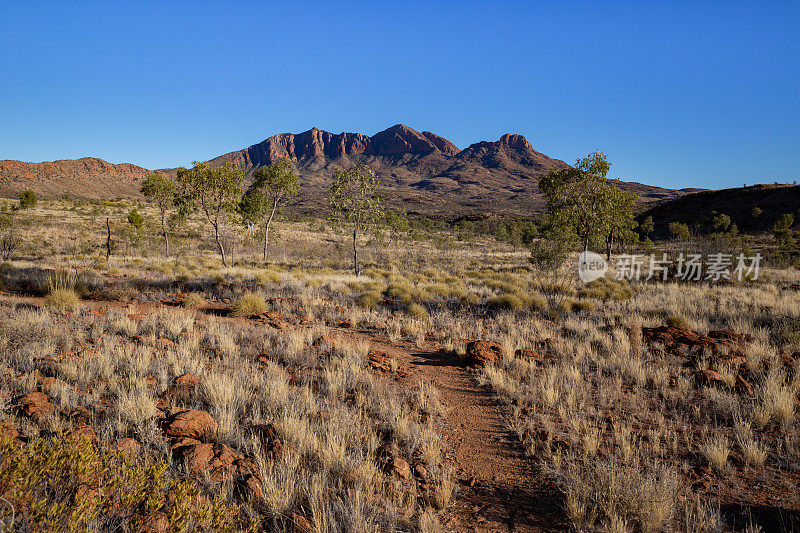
(514, 140)
(400, 139)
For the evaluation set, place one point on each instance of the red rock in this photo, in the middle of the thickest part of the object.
(710, 377)
(182, 390)
(87, 497)
(481, 353)
(8, 431)
(216, 460)
(128, 447)
(157, 523)
(300, 524)
(35, 405)
(190, 423)
(727, 345)
(400, 467)
(529, 355)
(743, 387)
(83, 433)
(186, 381)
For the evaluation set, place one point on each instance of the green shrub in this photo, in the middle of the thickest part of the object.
(27, 199)
(71, 485)
(249, 304)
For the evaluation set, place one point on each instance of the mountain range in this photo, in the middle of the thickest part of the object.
(421, 171)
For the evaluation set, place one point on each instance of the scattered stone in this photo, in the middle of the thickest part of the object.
(190, 423)
(215, 460)
(481, 353)
(710, 378)
(529, 355)
(35, 405)
(300, 524)
(84, 432)
(128, 447)
(400, 467)
(687, 343)
(742, 386)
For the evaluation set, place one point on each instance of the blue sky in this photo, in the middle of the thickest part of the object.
(679, 94)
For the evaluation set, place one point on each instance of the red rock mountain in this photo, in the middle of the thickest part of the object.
(421, 171)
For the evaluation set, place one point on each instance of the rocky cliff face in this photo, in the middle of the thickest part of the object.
(316, 144)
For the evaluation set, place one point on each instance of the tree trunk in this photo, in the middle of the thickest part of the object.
(355, 249)
(108, 238)
(266, 227)
(164, 232)
(220, 247)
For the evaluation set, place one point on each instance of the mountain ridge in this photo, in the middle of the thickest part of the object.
(424, 172)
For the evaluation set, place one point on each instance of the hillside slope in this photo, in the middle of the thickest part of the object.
(697, 209)
(85, 178)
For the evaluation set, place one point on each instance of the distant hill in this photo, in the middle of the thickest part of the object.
(421, 171)
(696, 209)
(85, 178)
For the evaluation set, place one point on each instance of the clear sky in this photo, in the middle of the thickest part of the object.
(685, 94)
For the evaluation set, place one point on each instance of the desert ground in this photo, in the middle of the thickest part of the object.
(452, 386)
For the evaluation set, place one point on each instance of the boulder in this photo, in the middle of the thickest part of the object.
(190, 423)
(481, 353)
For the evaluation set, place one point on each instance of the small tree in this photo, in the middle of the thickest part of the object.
(618, 221)
(680, 231)
(355, 201)
(647, 226)
(135, 219)
(782, 230)
(214, 191)
(162, 190)
(581, 198)
(27, 199)
(272, 186)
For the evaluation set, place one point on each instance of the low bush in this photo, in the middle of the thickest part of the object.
(249, 304)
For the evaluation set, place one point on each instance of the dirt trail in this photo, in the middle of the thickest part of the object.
(499, 489)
